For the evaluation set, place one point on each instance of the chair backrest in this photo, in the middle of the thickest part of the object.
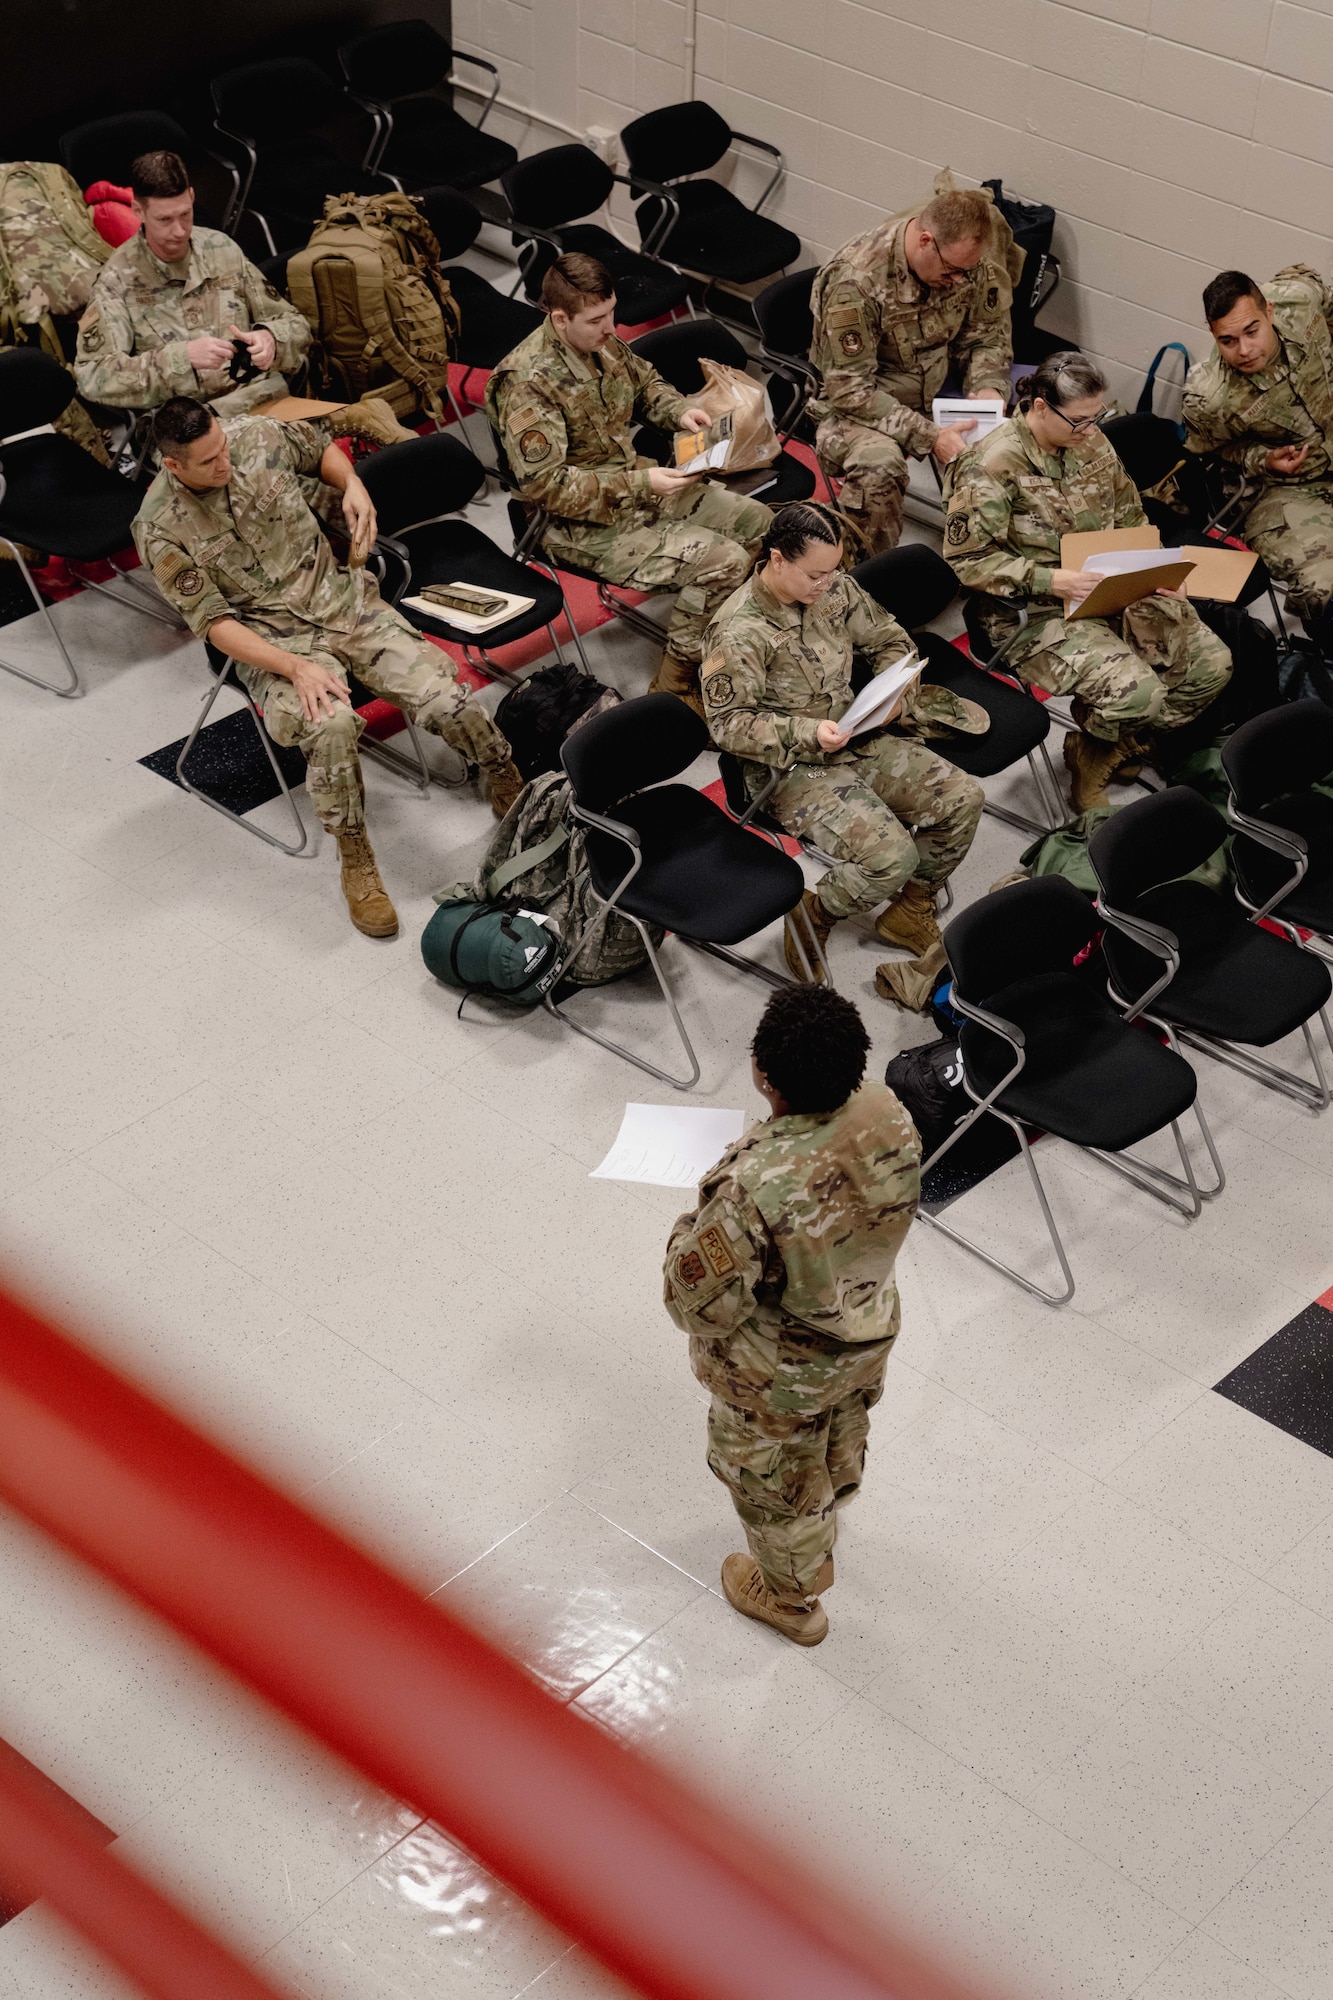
(452, 216)
(676, 351)
(275, 100)
(782, 311)
(911, 582)
(1148, 447)
(640, 742)
(1018, 933)
(418, 481)
(397, 60)
(34, 389)
(105, 149)
(556, 186)
(1281, 751)
(1155, 840)
(678, 139)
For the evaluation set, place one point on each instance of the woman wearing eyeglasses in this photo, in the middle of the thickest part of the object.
(1049, 472)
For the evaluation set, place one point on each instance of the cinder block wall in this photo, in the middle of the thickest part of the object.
(1175, 137)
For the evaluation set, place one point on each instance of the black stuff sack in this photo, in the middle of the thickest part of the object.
(536, 717)
(928, 1081)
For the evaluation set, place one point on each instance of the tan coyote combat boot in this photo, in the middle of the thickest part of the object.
(909, 982)
(1090, 763)
(681, 678)
(747, 1593)
(808, 915)
(909, 919)
(504, 782)
(367, 901)
(371, 418)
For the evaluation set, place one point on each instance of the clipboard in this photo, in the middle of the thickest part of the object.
(1117, 593)
(291, 409)
(1217, 572)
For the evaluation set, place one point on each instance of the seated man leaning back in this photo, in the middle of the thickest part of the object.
(777, 676)
(895, 312)
(233, 545)
(169, 305)
(565, 402)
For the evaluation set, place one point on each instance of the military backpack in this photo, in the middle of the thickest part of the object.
(384, 318)
(50, 253)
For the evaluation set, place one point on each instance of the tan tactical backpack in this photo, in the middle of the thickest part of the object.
(384, 318)
(50, 252)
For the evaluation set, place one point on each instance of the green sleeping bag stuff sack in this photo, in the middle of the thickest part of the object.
(482, 947)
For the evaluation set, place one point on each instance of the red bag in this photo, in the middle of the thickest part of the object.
(113, 218)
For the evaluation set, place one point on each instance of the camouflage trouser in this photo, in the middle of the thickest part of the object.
(857, 807)
(702, 545)
(873, 471)
(394, 661)
(1291, 527)
(1156, 664)
(785, 1472)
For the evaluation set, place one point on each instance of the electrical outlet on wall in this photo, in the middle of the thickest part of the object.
(605, 142)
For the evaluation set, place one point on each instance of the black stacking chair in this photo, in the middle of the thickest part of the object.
(274, 112)
(665, 856)
(491, 324)
(1181, 954)
(420, 139)
(415, 488)
(1282, 851)
(106, 148)
(547, 193)
(56, 498)
(699, 224)
(1149, 448)
(786, 330)
(915, 586)
(676, 352)
(1045, 1051)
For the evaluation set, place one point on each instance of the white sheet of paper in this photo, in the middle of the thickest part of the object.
(1125, 562)
(984, 415)
(669, 1145)
(878, 696)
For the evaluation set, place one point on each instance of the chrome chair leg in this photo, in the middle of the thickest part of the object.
(996, 1263)
(73, 686)
(298, 849)
(618, 1048)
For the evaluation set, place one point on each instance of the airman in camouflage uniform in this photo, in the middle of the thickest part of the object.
(143, 315)
(565, 419)
(884, 342)
(1289, 402)
(783, 1278)
(774, 673)
(1009, 503)
(253, 550)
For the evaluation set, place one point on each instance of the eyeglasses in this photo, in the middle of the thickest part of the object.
(952, 270)
(1079, 425)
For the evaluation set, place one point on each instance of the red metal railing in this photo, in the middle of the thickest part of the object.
(668, 1892)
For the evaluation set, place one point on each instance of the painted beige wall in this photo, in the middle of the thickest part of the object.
(1175, 137)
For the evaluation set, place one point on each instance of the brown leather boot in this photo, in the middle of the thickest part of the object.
(504, 783)
(678, 677)
(1090, 763)
(808, 915)
(909, 982)
(371, 418)
(747, 1593)
(1135, 750)
(909, 919)
(367, 901)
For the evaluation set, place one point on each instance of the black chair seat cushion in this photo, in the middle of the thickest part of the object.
(1235, 980)
(456, 552)
(1089, 1076)
(491, 323)
(1018, 722)
(292, 183)
(644, 288)
(61, 501)
(1260, 871)
(719, 236)
(433, 142)
(701, 875)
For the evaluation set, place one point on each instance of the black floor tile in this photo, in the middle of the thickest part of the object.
(13, 1895)
(974, 1159)
(1289, 1380)
(228, 763)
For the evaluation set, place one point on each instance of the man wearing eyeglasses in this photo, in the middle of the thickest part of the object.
(1047, 473)
(899, 308)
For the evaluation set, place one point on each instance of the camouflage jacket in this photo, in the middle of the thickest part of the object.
(884, 341)
(252, 549)
(1009, 502)
(773, 672)
(565, 420)
(143, 315)
(1244, 417)
(790, 1254)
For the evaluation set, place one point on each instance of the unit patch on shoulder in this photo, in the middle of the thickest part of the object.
(957, 530)
(852, 341)
(189, 583)
(690, 1269)
(714, 1246)
(534, 445)
(992, 298)
(719, 689)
